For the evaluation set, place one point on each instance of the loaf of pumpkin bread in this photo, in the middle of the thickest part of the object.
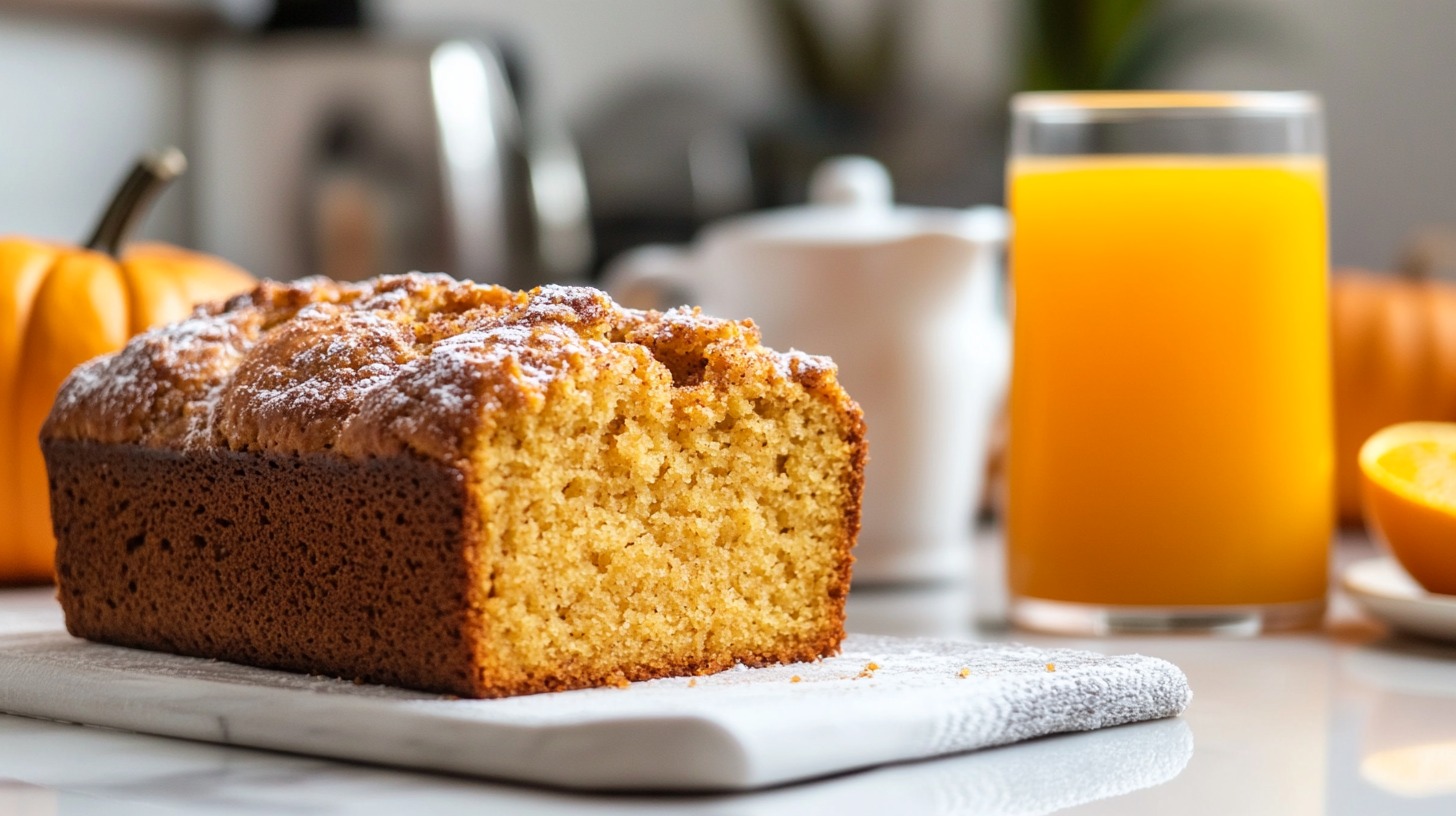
(456, 488)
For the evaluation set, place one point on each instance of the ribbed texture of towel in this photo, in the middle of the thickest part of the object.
(972, 695)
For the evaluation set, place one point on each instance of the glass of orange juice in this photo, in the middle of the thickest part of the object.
(1171, 455)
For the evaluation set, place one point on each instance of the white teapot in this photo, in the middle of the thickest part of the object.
(906, 300)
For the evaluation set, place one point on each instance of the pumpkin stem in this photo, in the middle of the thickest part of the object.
(151, 173)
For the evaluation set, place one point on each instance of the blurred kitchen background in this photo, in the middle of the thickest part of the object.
(312, 125)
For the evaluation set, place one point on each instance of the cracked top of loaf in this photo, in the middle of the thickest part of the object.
(406, 363)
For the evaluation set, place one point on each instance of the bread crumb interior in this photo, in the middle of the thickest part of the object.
(635, 525)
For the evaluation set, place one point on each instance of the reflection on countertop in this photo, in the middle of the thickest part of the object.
(1352, 722)
(54, 768)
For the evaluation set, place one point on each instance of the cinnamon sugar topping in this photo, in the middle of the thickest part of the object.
(410, 362)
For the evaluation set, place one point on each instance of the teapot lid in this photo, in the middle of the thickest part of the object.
(851, 201)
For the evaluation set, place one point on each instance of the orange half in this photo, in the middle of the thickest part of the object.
(1409, 475)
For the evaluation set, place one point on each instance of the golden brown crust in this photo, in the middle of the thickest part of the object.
(409, 362)
(342, 383)
(853, 418)
(306, 563)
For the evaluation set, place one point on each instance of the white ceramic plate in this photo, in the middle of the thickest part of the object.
(1388, 593)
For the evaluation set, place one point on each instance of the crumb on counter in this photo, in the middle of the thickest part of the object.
(795, 679)
(1051, 667)
(963, 673)
(871, 666)
(692, 683)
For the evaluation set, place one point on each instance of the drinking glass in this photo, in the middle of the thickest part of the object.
(1171, 455)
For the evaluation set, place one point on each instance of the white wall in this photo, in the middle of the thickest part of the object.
(1386, 68)
(77, 105)
(1387, 71)
(579, 51)
(80, 102)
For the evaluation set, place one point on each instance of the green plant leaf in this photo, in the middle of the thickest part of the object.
(1125, 44)
(852, 78)
(807, 52)
(1167, 40)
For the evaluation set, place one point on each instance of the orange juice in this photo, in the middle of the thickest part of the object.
(1171, 436)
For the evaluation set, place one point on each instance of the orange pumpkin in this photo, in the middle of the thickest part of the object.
(1394, 361)
(59, 307)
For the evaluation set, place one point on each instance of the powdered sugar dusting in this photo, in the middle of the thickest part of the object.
(401, 362)
(808, 368)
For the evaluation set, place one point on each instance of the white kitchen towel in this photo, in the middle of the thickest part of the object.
(882, 700)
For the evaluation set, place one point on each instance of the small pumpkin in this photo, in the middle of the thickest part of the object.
(1394, 345)
(59, 307)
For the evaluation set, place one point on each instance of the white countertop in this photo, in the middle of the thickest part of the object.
(1289, 725)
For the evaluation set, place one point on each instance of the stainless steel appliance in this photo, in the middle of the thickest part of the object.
(349, 154)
